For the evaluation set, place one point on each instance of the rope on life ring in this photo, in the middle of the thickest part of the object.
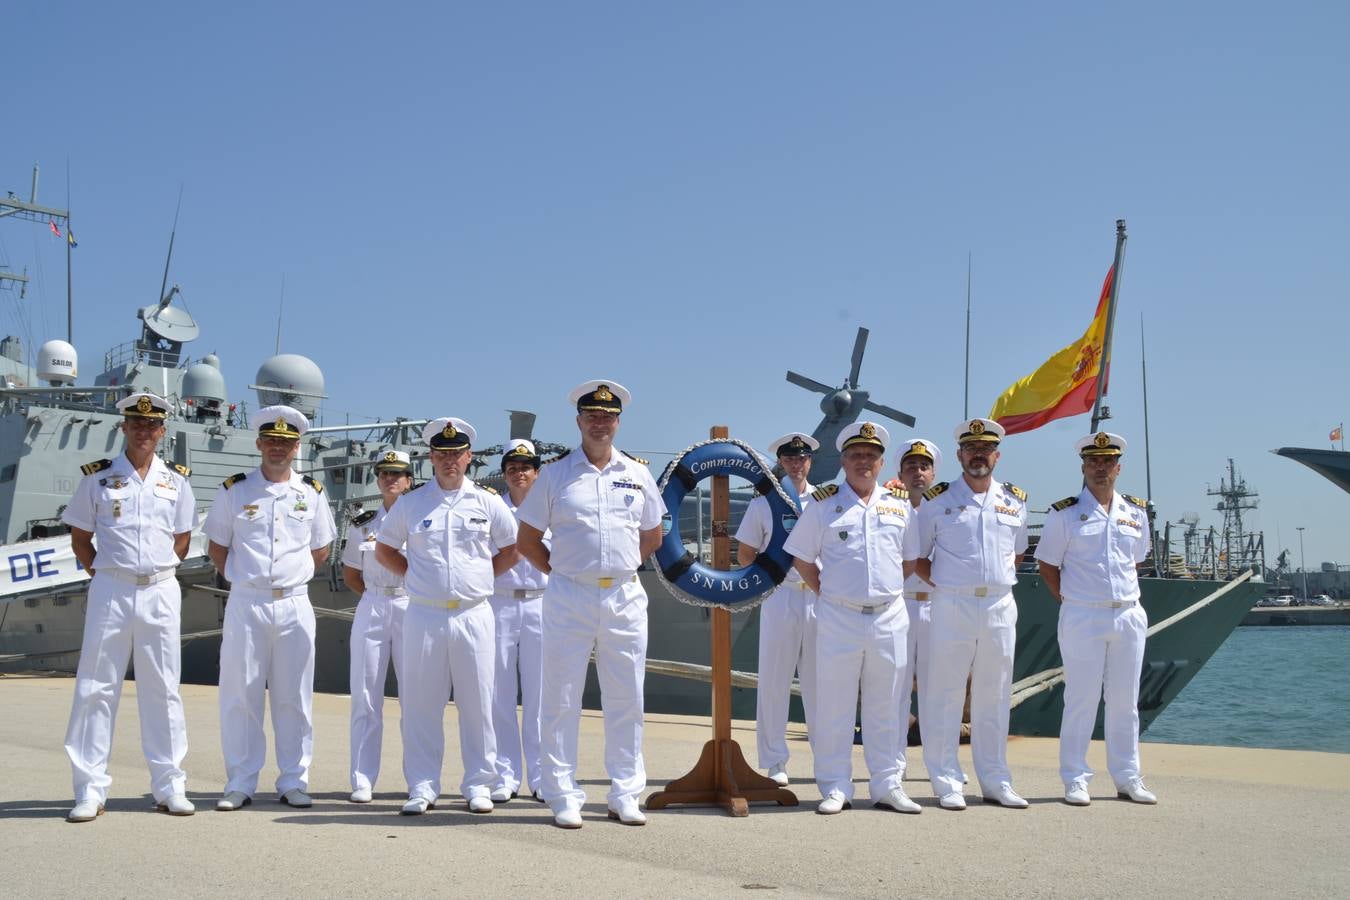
(687, 578)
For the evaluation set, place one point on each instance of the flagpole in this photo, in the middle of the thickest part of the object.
(70, 304)
(1103, 367)
(966, 413)
(1143, 367)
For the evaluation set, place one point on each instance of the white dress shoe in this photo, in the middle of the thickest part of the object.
(177, 805)
(954, 801)
(896, 799)
(416, 806)
(1076, 794)
(538, 797)
(361, 795)
(233, 800)
(833, 805)
(480, 805)
(567, 818)
(1136, 791)
(778, 774)
(502, 795)
(296, 798)
(1005, 796)
(628, 813)
(85, 811)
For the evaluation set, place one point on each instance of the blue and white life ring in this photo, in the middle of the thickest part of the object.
(689, 579)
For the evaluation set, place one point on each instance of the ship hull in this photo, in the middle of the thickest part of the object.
(679, 632)
(1333, 465)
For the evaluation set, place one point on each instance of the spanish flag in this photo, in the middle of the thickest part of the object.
(1064, 385)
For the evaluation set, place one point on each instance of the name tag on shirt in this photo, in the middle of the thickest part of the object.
(166, 491)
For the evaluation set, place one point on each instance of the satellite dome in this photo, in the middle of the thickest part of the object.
(293, 380)
(58, 364)
(203, 384)
(211, 360)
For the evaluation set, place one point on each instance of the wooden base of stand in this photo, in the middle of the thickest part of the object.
(722, 777)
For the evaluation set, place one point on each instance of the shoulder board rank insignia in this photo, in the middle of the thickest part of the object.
(1065, 503)
(485, 489)
(180, 469)
(636, 459)
(826, 492)
(318, 488)
(899, 493)
(935, 490)
(1137, 501)
(233, 480)
(562, 455)
(95, 466)
(1015, 491)
(364, 517)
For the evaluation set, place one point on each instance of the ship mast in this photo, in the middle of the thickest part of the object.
(1241, 549)
(30, 210)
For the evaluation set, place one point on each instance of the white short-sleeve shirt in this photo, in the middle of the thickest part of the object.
(359, 553)
(134, 520)
(1096, 549)
(270, 529)
(857, 542)
(450, 537)
(972, 540)
(523, 576)
(594, 514)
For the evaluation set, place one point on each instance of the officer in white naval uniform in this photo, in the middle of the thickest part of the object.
(920, 459)
(856, 530)
(377, 629)
(517, 606)
(269, 529)
(1088, 553)
(968, 538)
(787, 620)
(140, 511)
(604, 513)
(459, 536)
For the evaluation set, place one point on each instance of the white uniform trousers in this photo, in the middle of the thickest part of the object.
(122, 622)
(969, 637)
(854, 648)
(916, 657)
(267, 648)
(445, 649)
(613, 622)
(1101, 648)
(787, 646)
(517, 672)
(377, 636)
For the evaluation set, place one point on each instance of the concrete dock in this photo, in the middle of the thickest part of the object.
(1230, 822)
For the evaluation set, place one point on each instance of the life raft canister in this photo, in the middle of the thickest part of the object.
(692, 581)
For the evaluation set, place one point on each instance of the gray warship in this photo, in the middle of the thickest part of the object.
(50, 426)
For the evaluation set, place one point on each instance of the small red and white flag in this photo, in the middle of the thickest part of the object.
(56, 231)
(1338, 433)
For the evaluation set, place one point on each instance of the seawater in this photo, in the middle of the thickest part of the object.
(1285, 687)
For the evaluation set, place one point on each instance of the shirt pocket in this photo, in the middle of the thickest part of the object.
(114, 508)
(428, 539)
(626, 504)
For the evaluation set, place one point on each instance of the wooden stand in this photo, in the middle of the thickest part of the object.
(721, 776)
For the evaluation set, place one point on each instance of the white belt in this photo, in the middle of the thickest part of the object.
(865, 609)
(397, 591)
(918, 595)
(126, 577)
(976, 590)
(601, 581)
(272, 593)
(453, 603)
(1104, 604)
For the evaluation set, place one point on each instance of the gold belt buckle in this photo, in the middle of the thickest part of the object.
(921, 595)
(452, 604)
(143, 580)
(982, 592)
(606, 582)
(278, 593)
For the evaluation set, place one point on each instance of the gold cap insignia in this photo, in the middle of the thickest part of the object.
(144, 405)
(448, 431)
(797, 443)
(976, 426)
(868, 430)
(391, 456)
(1101, 440)
(602, 393)
(282, 424)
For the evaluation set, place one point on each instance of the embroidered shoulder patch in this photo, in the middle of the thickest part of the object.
(826, 492)
(318, 488)
(96, 466)
(1065, 503)
(1137, 501)
(936, 490)
(233, 480)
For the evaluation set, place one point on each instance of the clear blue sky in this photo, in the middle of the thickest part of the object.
(475, 206)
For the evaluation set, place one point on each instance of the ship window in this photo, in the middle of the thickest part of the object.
(61, 601)
(8, 472)
(339, 476)
(30, 602)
